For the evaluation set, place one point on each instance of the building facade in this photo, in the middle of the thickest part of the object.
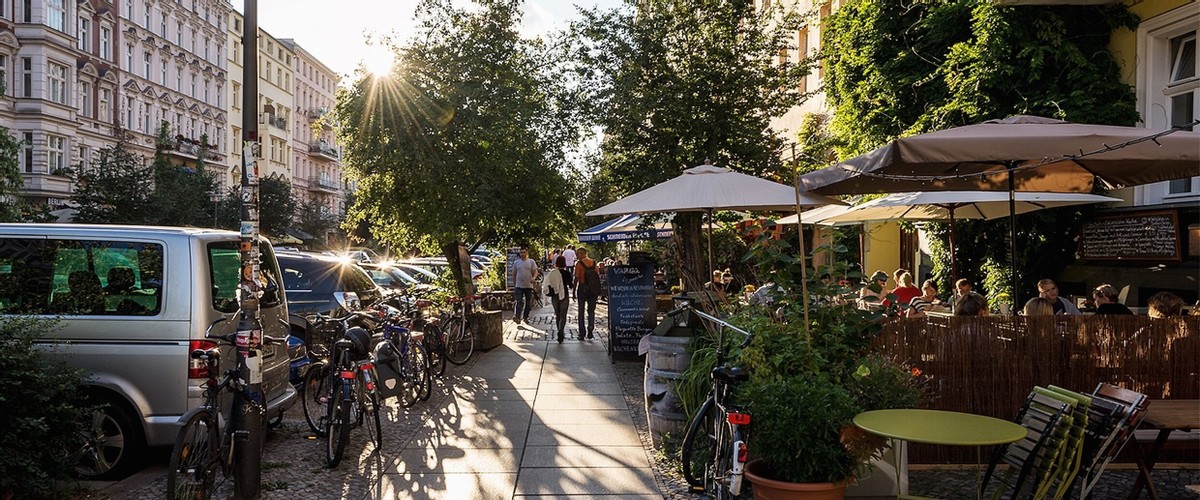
(317, 172)
(274, 104)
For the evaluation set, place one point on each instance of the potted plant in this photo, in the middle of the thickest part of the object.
(806, 385)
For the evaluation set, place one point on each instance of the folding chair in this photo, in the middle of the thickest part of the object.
(1115, 413)
(1031, 460)
(1071, 460)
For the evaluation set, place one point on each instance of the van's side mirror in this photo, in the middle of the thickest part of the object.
(271, 296)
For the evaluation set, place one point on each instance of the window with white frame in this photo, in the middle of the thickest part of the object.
(85, 34)
(85, 156)
(178, 78)
(56, 77)
(26, 77)
(85, 99)
(236, 103)
(56, 13)
(179, 33)
(1181, 93)
(106, 43)
(206, 87)
(1167, 85)
(129, 58)
(148, 12)
(27, 152)
(4, 74)
(128, 112)
(162, 25)
(56, 153)
(147, 60)
(164, 72)
(129, 10)
(105, 106)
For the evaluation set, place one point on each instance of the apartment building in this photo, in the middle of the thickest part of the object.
(74, 72)
(274, 104)
(317, 172)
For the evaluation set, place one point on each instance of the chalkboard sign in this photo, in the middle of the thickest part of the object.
(631, 312)
(1135, 236)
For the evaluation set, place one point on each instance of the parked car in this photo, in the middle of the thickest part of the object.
(421, 274)
(388, 276)
(310, 281)
(438, 265)
(133, 302)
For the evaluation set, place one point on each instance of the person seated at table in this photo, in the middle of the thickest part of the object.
(1047, 288)
(905, 291)
(1164, 305)
(716, 285)
(927, 301)
(1038, 306)
(872, 293)
(971, 304)
(1106, 298)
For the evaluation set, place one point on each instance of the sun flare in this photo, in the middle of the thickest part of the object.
(378, 60)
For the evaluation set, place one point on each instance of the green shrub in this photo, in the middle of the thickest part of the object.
(43, 413)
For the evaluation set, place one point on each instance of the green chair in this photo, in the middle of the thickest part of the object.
(1034, 459)
(1071, 459)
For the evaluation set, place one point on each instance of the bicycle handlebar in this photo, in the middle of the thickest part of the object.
(687, 306)
(231, 338)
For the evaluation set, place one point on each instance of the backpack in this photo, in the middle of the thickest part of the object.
(591, 280)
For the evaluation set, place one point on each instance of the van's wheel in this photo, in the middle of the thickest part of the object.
(112, 443)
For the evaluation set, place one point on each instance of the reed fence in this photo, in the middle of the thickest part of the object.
(988, 365)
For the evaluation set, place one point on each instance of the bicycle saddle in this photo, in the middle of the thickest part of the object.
(730, 374)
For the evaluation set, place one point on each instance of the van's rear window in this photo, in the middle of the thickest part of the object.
(80, 277)
(224, 264)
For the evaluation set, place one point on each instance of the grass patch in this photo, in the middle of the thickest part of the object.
(275, 485)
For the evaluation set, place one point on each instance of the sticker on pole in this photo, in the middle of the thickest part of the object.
(247, 228)
(254, 364)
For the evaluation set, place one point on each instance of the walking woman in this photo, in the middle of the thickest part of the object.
(557, 286)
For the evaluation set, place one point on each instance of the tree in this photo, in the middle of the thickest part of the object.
(276, 206)
(463, 142)
(901, 68)
(682, 82)
(314, 218)
(115, 188)
(182, 195)
(10, 177)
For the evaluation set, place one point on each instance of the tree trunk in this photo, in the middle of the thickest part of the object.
(693, 262)
(460, 267)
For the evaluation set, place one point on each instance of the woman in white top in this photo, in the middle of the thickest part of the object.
(557, 286)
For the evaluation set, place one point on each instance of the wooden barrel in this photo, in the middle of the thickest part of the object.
(666, 361)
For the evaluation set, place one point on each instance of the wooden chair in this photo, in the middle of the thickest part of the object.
(1115, 415)
(1032, 460)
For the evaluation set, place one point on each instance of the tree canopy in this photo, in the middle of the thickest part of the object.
(465, 139)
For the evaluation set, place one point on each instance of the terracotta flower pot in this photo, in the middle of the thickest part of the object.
(770, 489)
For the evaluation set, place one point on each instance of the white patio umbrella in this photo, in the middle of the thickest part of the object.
(706, 188)
(951, 205)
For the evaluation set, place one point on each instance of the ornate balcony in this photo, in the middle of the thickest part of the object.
(315, 113)
(323, 185)
(273, 120)
(324, 150)
(190, 149)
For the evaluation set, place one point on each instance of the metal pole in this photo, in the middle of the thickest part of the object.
(248, 417)
(803, 251)
(1012, 233)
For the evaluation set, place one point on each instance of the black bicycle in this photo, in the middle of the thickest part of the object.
(460, 340)
(352, 393)
(202, 446)
(714, 447)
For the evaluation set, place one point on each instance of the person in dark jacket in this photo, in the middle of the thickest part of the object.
(1107, 300)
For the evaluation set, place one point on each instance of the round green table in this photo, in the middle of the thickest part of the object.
(939, 427)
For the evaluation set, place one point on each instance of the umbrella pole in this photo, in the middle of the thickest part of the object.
(803, 257)
(710, 251)
(953, 258)
(1012, 235)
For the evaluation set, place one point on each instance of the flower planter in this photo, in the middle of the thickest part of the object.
(770, 489)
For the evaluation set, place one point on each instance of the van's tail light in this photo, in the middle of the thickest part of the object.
(196, 368)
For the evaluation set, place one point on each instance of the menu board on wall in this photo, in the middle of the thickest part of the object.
(1133, 236)
(631, 311)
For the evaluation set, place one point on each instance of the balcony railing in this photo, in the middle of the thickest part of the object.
(323, 184)
(276, 121)
(314, 113)
(323, 149)
(190, 148)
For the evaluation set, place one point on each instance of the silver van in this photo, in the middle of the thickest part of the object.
(133, 302)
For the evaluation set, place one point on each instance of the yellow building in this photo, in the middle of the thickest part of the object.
(275, 103)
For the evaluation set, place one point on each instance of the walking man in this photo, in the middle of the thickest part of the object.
(524, 272)
(587, 291)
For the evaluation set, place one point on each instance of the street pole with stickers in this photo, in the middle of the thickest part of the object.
(248, 418)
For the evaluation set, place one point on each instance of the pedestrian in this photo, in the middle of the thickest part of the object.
(587, 291)
(1108, 300)
(1047, 288)
(556, 286)
(570, 255)
(525, 270)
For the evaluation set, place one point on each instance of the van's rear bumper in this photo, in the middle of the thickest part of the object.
(162, 429)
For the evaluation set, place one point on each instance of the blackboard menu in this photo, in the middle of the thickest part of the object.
(631, 312)
(1135, 236)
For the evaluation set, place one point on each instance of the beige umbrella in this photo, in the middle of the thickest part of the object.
(1019, 153)
(706, 188)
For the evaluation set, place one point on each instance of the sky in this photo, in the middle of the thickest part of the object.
(334, 31)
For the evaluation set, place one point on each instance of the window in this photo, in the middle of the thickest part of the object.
(129, 58)
(802, 53)
(85, 32)
(85, 99)
(57, 76)
(206, 86)
(147, 59)
(56, 153)
(128, 112)
(206, 43)
(27, 152)
(148, 16)
(147, 125)
(105, 110)
(1181, 90)
(179, 33)
(27, 11)
(224, 262)
(129, 10)
(3, 74)
(81, 277)
(56, 12)
(193, 93)
(162, 26)
(164, 72)
(105, 42)
(237, 53)
(85, 156)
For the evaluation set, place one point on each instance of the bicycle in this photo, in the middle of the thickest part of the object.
(714, 451)
(314, 390)
(352, 393)
(411, 361)
(202, 446)
(460, 340)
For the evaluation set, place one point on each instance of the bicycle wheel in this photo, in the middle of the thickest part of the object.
(722, 465)
(338, 427)
(404, 365)
(314, 397)
(460, 343)
(425, 383)
(435, 348)
(194, 459)
(374, 406)
(700, 446)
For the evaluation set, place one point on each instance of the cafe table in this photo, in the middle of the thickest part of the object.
(1165, 416)
(939, 427)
